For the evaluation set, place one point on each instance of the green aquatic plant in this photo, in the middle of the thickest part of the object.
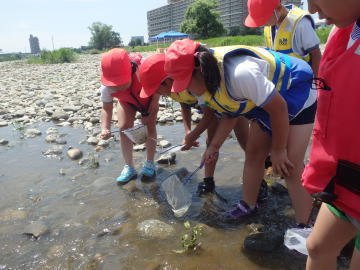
(190, 239)
(92, 162)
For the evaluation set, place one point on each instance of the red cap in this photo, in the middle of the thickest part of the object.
(152, 74)
(260, 12)
(136, 57)
(180, 63)
(115, 67)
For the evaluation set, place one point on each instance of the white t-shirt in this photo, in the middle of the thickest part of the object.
(105, 94)
(305, 38)
(355, 34)
(246, 77)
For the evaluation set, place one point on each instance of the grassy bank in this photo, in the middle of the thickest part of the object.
(63, 55)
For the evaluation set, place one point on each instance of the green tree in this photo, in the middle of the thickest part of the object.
(201, 19)
(103, 37)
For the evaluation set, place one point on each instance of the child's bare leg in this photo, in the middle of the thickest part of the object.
(151, 142)
(298, 141)
(126, 117)
(329, 236)
(257, 149)
(241, 130)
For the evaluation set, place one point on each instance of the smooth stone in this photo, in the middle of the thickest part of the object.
(51, 138)
(74, 153)
(155, 229)
(264, 241)
(32, 133)
(92, 140)
(167, 159)
(3, 123)
(139, 147)
(4, 142)
(36, 229)
(164, 143)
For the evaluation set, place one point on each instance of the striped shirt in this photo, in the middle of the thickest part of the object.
(355, 34)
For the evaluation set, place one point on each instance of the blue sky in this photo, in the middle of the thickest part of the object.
(67, 21)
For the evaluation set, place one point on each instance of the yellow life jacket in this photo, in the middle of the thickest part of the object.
(285, 35)
(184, 97)
(279, 74)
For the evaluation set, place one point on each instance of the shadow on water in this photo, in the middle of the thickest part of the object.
(91, 223)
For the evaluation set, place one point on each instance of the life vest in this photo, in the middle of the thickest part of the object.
(132, 95)
(336, 130)
(281, 70)
(184, 97)
(285, 34)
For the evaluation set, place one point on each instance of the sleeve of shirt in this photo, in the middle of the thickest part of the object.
(105, 94)
(252, 84)
(306, 38)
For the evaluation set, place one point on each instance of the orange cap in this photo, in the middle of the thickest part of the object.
(260, 12)
(115, 67)
(180, 63)
(152, 74)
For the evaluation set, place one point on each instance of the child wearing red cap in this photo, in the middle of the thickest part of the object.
(271, 88)
(155, 80)
(333, 172)
(120, 79)
(288, 29)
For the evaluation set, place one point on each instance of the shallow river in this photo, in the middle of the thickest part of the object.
(90, 222)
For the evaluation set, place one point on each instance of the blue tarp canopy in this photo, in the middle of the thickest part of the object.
(170, 34)
(174, 34)
(159, 36)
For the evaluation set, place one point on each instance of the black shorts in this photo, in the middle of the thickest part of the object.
(307, 116)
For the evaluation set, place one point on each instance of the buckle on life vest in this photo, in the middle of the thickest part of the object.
(328, 194)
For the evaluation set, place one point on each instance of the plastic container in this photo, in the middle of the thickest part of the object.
(295, 239)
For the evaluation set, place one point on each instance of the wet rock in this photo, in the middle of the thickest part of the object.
(52, 130)
(279, 188)
(92, 140)
(181, 173)
(74, 153)
(4, 142)
(164, 143)
(32, 133)
(54, 152)
(19, 113)
(155, 229)
(62, 171)
(13, 214)
(264, 241)
(167, 159)
(36, 229)
(51, 138)
(103, 143)
(60, 141)
(139, 147)
(99, 148)
(71, 108)
(59, 115)
(3, 123)
(56, 251)
(196, 117)
(94, 120)
(89, 162)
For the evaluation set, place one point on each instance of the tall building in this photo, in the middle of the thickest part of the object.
(170, 17)
(34, 44)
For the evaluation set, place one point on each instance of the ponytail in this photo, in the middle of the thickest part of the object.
(134, 67)
(209, 68)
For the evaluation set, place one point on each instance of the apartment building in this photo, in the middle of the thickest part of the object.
(170, 17)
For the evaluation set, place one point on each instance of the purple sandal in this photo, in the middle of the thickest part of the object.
(241, 209)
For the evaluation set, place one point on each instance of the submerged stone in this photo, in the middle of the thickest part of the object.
(155, 229)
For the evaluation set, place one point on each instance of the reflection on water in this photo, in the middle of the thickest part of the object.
(91, 222)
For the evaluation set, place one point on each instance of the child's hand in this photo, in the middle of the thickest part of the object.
(211, 154)
(105, 134)
(280, 163)
(189, 142)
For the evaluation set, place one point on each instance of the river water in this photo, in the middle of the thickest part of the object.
(91, 223)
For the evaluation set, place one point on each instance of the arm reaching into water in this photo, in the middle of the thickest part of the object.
(105, 117)
(200, 128)
(186, 115)
(279, 119)
(223, 130)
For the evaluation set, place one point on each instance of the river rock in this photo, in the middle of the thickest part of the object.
(59, 115)
(164, 143)
(54, 152)
(196, 117)
(3, 123)
(52, 130)
(92, 140)
(264, 241)
(74, 153)
(4, 142)
(32, 133)
(103, 143)
(167, 159)
(51, 138)
(140, 147)
(36, 229)
(155, 229)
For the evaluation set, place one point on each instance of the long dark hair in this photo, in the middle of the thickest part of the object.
(134, 67)
(209, 67)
